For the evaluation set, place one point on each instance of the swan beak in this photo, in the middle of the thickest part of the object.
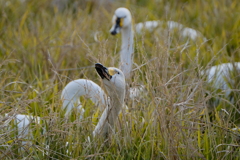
(103, 71)
(117, 26)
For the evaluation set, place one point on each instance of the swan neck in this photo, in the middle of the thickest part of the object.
(127, 50)
(127, 38)
(109, 115)
(81, 87)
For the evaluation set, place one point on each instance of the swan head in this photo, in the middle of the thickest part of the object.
(121, 19)
(113, 79)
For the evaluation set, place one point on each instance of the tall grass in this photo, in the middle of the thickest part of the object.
(175, 119)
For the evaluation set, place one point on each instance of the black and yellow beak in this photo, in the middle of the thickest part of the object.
(117, 26)
(104, 72)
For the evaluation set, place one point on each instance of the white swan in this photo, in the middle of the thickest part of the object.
(70, 96)
(220, 75)
(122, 21)
(114, 82)
(23, 127)
(23, 122)
(171, 26)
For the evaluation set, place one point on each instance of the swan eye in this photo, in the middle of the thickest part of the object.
(118, 73)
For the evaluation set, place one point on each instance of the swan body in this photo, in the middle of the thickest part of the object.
(114, 82)
(22, 123)
(220, 75)
(137, 91)
(171, 26)
(82, 87)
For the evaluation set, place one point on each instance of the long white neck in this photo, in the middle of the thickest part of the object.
(82, 87)
(110, 114)
(127, 51)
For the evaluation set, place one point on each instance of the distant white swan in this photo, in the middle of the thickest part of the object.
(183, 31)
(23, 122)
(23, 127)
(122, 22)
(220, 75)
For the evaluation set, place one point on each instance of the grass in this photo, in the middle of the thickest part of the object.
(174, 120)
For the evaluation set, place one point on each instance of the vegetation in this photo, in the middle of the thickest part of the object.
(175, 119)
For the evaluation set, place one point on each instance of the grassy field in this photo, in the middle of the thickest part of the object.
(175, 119)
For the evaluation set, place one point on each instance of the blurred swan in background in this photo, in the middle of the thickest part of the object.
(170, 26)
(24, 127)
(220, 76)
(122, 22)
